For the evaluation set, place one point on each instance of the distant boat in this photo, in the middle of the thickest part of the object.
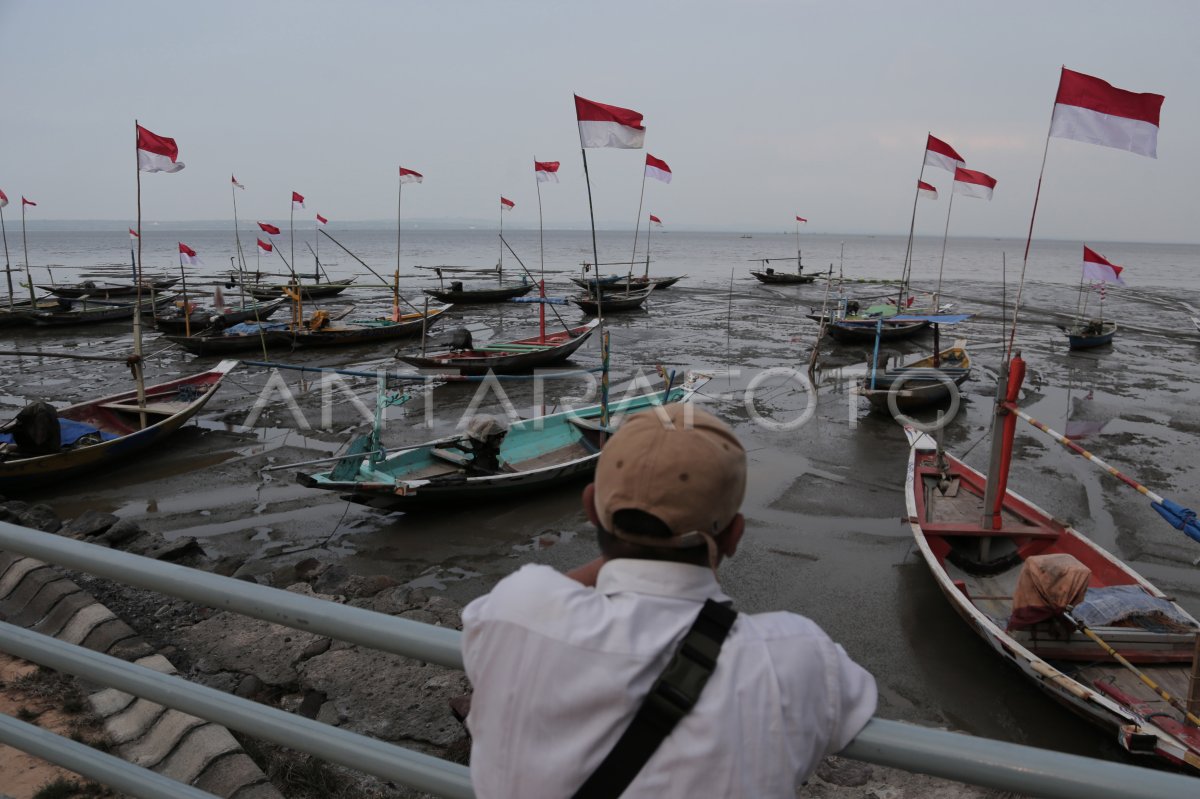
(456, 294)
(88, 311)
(508, 357)
(1085, 335)
(309, 291)
(105, 291)
(623, 301)
(203, 318)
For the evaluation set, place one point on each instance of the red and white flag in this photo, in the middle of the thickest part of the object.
(234, 181)
(156, 153)
(25, 202)
(1097, 267)
(187, 256)
(603, 125)
(973, 183)
(546, 171)
(297, 201)
(657, 169)
(265, 246)
(409, 176)
(506, 204)
(926, 190)
(654, 220)
(801, 219)
(322, 221)
(3, 199)
(133, 236)
(942, 155)
(271, 229)
(1094, 111)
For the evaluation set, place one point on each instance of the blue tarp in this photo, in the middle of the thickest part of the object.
(71, 431)
(1104, 607)
(252, 328)
(935, 318)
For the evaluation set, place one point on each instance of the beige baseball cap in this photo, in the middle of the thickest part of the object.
(687, 469)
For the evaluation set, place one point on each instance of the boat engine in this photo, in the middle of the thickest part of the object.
(460, 339)
(456, 285)
(35, 430)
(483, 438)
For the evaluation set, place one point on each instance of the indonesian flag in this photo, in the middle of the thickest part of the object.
(133, 236)
(603, 125)
(654, 220)
(657, 169)
(926, 190)
(973, 184)
(506, 204)
(25, 202)
(1097, 267)
(942, 155)
(801, 219)
(322, 221)
(1091, 110)
(297, 201)
(271, 229)
(409, 176)
(156, 153)
(265, 246)
(187, 256)
(546, 171)
(3, 199)
(234, 181)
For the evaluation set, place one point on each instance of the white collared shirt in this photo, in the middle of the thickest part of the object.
(559, 669)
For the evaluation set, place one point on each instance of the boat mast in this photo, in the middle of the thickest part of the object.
(138, 377)
(912, 226)
(1004, 425)
(396, 279)
(7, 263)
(649, 225)
(636, 226)
(937, 297)
(500, 263)
(25, 246)
(541, 256)
(596, 259)
(187, 311)
(237, 240)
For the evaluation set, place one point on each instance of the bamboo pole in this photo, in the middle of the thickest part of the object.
(396, 283)
(649, 225)
(383, 281)
(912, 226)
(542, 257)
(237, 239)
(25, 247)
(595, 251)
(636, 226)
(138, 377)
(187, 311)
(500, 263)
(7, 263)
(942, 263)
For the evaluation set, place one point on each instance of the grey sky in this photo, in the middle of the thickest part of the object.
(762, 109)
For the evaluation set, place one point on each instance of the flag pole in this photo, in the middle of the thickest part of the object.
(132, 261)
(945, 234)
(138, 377)
(542, 255)
(636, 226)
(912, 226)
(595, 254)
(500, 263)
(187, 311)
(1012, 336)
(292, 234)
(237, 238)
(317, 248)
(799, 267)
(25, 246)
(396, 280)
(7, 263)
(649, 225)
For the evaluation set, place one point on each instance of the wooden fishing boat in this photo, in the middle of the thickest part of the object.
(205, 318)
(772, 277)
(15, 315)
(508, 357)
(309, 291)
(624, 301)
(106, 291)
(922, 383)
(591, 282)
(456, 294)
(1089, 334)
(857, 331)
(623, 284)
(987, 558)
(454, 472)
(89, 311)
(100, 433)
(285, 335)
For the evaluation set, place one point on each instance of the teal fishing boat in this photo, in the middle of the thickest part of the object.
(486, 462)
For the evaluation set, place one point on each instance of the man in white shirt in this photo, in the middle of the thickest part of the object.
(561, 663)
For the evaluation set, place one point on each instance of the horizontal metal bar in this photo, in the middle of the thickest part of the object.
(355, 751)
(378, 631)
(94, 764)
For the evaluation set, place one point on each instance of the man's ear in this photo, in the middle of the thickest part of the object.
(731, 536)
(589, 504)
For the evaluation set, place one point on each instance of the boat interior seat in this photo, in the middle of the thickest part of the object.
(450, 456)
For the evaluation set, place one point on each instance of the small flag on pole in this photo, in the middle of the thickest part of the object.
(409, 176)
(926, 190)
(25, 202)
(297, 201)
(506, 204)
(234, 180)
(546, 171)
(602, 125)
(657, 169)
(133, 236)
(801, 219)
(265, 246)
(3, 199)
(271, 229)
(942, 155)
(654, 220)
(1090, 110)
(973, 183)
(156, 153)
(187, 256)
(1097, 267)
(322, 221)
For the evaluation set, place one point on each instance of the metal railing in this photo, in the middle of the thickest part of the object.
(956, 756)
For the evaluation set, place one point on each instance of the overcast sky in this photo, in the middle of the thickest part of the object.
(762, 109)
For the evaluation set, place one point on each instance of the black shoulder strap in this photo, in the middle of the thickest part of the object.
(673, 696)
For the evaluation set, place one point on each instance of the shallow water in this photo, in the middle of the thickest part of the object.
(825, 501)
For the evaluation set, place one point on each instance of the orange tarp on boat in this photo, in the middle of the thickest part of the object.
(1047, 585)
